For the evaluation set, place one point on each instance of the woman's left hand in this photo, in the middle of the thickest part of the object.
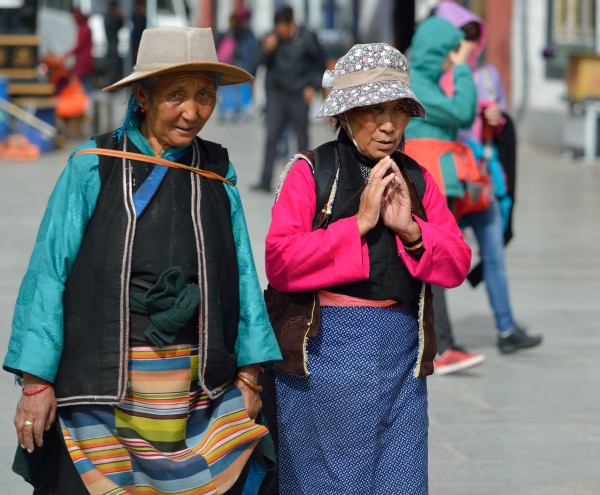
(396, 208)
(251, 398)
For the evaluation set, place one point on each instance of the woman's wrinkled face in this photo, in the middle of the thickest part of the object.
(177, 108)
(378, 129)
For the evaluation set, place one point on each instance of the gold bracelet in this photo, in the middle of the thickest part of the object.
(254, 386)
(416, 247)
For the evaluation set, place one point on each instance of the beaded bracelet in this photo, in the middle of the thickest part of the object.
(254, 386)
(36, 390)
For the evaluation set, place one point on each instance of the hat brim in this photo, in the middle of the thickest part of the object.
(342, 100)
(229, 73)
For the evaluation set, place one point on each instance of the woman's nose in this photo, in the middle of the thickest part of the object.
(387, 122)
(191, 109)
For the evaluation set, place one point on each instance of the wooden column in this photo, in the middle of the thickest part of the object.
(498, 17)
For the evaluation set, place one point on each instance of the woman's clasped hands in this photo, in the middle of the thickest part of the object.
(386, 196)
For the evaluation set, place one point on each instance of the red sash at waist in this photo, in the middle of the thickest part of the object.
(327, 298)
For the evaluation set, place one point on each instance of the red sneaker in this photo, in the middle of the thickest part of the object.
(454, 359)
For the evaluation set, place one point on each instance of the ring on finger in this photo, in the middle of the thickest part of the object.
(393, 185)
(27, 423)
(368, 181)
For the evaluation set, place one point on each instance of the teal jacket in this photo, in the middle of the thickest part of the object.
(433, 40)
(37, 337)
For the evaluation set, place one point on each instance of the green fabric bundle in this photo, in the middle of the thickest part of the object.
(170, 304)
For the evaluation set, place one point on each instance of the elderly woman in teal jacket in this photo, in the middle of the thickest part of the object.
(141, 316)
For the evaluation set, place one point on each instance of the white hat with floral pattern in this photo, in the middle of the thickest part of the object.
(367, 75)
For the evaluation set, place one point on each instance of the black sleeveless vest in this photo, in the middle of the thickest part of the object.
(388, 277)
(195, 213)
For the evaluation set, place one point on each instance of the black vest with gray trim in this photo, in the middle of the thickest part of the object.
(94, 363)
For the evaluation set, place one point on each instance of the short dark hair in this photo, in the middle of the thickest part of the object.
(472, 31)
(285, 15)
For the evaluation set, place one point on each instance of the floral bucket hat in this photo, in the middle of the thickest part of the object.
(367, 75)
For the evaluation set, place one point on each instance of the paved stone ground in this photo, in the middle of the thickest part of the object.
(528, 424)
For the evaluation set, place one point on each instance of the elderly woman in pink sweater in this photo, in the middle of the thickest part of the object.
(367, 227)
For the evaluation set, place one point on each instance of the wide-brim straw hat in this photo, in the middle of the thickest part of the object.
(367, 75)
(165, 50)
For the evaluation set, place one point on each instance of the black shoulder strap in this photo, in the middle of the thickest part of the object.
(323, 162)
(324, 171)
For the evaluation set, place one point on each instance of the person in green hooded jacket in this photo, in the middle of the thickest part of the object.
(439, 47)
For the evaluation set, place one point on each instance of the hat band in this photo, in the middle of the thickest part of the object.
(208, 74)
(360, 78)
(153, 67)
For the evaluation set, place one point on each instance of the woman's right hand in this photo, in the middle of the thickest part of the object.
(38, 409)
(372, 196)
(462, 54)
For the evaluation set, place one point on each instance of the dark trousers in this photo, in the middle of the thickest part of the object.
(442, 325)
(67, 479)
(269, 409)
(280, 110)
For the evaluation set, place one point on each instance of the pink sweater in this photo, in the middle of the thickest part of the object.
(298, 258)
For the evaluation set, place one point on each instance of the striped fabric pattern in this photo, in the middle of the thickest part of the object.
(167, 437)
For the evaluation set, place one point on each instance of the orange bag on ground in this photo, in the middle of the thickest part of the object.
(72, 100)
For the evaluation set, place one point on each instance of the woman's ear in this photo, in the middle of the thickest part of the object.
(139, 94)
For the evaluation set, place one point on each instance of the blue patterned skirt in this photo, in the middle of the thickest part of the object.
(358, 424)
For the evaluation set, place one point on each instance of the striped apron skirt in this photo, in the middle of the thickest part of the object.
(358, 423)
(167, 437)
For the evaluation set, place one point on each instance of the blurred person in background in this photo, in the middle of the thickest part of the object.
(435, 57)
(138, 24)
(492, 136)
(367, 228)
(493, 225)
(238, 47)
(113, 22)
(81, 52)
(294, 61)
(438, 46)
(139, 330)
